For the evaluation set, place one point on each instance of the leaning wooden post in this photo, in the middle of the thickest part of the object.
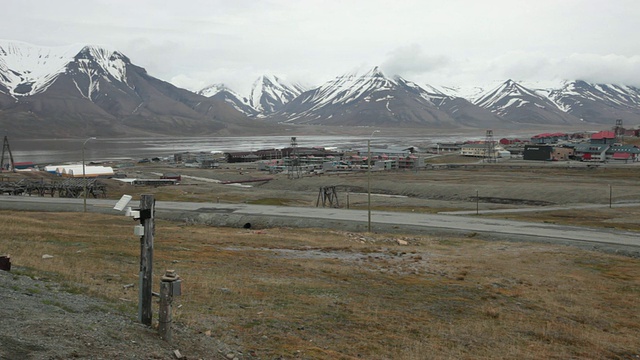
(170, 286)
(147, 209)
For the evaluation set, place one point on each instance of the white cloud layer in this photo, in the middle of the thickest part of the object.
(456, 42)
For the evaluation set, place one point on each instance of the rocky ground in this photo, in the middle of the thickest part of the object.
(42, 320)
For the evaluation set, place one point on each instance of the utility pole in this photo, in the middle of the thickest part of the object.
(369, 185)
(84, 174)
(369, 180)
(147, 210)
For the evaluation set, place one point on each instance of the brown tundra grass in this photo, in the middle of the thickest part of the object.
(325, 294)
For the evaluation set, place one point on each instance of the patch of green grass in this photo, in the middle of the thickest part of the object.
(59, 305)
(125, 307)
(450, 242)
(34, 291)
(73, 289)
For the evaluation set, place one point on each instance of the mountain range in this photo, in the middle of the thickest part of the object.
(93, 91)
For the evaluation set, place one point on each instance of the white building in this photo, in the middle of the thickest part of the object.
(76, 170)
(481, 149)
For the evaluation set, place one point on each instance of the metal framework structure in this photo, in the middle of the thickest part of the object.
(490, 152)
(619, 131)
(68, 188)
(328, 196)
(294, 171)
(6, 149)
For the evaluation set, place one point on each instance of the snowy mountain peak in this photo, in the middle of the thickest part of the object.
(580, 96)
(211, 90)
(27, 69)
(509, 91)
(375, 72)
(269, 93)
(113, 62)
(221, 91)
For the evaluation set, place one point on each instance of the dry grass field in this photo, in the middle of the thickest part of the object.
(328, 294)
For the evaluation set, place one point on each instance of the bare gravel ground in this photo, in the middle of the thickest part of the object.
(42, 320)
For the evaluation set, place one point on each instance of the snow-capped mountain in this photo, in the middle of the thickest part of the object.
(560, 103)
(27, 69)
(598, 103)
(91, 90)
(461, 110)
(517, 103)
(270, 93)
(211, 90)
(357, 100)
(222, 92)
(373, 99)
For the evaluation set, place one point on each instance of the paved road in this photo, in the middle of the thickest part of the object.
(317, 217)
(539, 209)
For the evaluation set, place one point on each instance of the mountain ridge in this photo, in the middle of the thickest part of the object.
(88, 90)
(97, 91)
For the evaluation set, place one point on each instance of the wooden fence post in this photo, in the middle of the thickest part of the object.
(147, 209)
(170, 286)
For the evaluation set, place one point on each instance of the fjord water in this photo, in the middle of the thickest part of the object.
(58, 151)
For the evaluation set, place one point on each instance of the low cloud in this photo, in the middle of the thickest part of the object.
(595, 68)
(411, 61)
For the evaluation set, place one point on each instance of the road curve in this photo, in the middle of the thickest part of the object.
(229, 214)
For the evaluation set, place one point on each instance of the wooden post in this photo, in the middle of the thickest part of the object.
(5, 262)
(477, 202)
(165, 316)
(147, 209)
(610, 196)
(170, 286)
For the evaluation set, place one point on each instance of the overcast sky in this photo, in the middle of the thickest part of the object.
(195, 43)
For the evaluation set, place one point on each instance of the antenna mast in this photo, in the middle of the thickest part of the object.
(294, 160)
(490, 155)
